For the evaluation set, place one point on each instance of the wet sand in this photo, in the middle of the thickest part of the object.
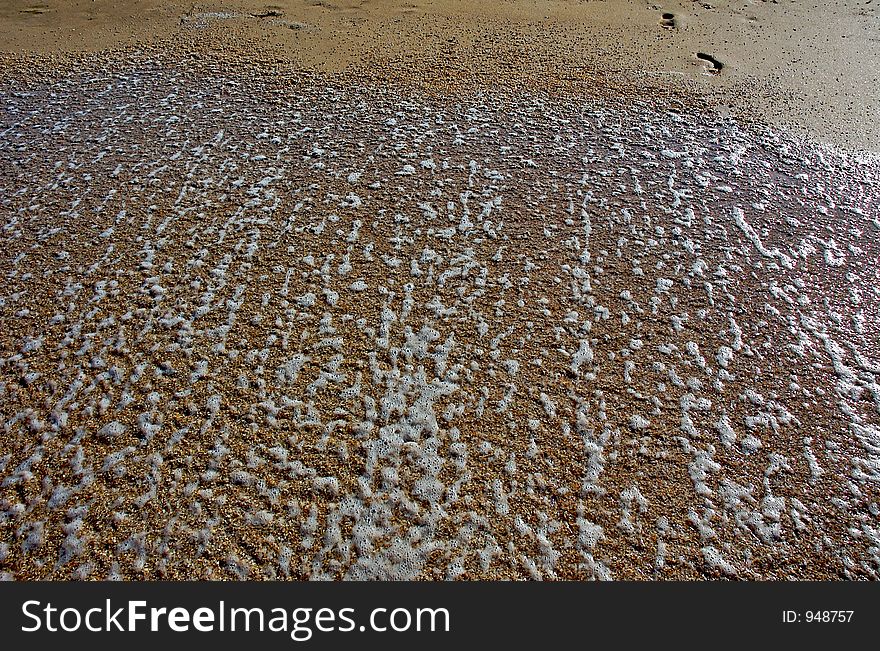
(812, 66)
(263, 319)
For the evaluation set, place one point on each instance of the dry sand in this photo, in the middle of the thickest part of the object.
(814, 66)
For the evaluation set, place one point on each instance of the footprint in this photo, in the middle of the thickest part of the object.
(269, 13)
(713, 65)
(667, 21)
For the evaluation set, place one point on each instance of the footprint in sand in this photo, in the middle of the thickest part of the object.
(713, 65)
(667, 21)
(269, 13)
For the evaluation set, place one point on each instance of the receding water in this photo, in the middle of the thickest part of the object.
(317, 329)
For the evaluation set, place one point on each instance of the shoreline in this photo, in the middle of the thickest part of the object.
(284, 301)
(769, 72)
(353, 332)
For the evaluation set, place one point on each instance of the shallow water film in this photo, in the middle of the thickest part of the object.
(317, 329)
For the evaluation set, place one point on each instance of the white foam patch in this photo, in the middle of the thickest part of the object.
(390, 337)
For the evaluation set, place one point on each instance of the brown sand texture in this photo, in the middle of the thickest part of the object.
(374, 290)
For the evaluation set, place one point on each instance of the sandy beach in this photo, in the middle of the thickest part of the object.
(436, 290)
(813, 67)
